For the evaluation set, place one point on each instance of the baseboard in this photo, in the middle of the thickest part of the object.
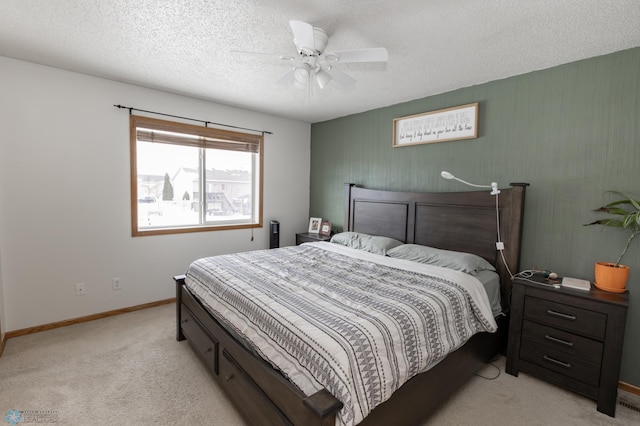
(629, 388)
(65, 323)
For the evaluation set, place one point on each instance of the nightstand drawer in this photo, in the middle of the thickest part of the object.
(563, 341)
(566, 317)
(560, 362)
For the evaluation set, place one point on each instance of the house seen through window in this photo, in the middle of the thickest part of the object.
(187, 178)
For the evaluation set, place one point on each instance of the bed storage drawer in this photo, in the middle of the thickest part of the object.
(204, 345)
(239, 385)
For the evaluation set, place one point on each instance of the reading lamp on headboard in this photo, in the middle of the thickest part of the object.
(494, 191)
(493, 186)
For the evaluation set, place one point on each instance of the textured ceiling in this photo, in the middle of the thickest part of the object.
(434, 46)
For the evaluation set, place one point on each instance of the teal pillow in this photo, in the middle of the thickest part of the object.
(371, 243)
(465, 262)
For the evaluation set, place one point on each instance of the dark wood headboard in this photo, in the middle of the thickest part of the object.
(460, 221)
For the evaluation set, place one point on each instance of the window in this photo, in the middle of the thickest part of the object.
(187, 178)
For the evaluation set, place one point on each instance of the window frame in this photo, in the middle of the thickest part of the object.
(214, 136)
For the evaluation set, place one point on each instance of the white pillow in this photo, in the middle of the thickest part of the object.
(371, 243)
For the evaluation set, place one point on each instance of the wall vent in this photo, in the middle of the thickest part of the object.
(629, 405)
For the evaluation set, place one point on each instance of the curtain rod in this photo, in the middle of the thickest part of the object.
(206, 123)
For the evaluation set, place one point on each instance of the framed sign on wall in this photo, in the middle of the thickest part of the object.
(443, 125)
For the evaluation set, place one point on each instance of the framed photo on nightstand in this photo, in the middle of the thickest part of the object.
(325, 228)
(314, 225)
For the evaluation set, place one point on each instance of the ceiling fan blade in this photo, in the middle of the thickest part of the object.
(340, 77)
(287, 79)
(303, 37)
(375, 54)
(272, 55)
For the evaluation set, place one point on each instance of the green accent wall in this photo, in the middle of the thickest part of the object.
(572, 132)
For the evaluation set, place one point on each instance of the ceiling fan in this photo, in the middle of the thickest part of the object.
(313, 64)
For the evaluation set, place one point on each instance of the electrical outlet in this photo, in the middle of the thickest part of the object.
(80, 289)
(117, 284)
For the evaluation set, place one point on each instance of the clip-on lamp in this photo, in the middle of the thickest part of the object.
(493, 186)
(494, 191)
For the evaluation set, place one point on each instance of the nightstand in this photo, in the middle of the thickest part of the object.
(307, 237)
(571, 338)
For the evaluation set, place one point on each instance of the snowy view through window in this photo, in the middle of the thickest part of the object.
(170, 186)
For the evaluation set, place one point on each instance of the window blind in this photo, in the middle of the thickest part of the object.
(152, 130)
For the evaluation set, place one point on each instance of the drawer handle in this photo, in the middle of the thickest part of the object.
(555, 361)
(186, 320)
(228, 377)
(208, 350)
(557, 340)
(561, 315)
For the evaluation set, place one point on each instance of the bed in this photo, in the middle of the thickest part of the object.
(461, 222)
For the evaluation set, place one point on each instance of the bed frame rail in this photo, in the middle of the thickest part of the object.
(262, 395)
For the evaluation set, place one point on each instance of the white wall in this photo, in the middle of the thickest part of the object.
(3, 324)
(64, 182)
(3, 327)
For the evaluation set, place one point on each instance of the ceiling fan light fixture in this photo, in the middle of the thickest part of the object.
(312, 63)
(322, 78)
(301, 73)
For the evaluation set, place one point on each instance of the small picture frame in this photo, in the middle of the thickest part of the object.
(325, 228)
(314, 225)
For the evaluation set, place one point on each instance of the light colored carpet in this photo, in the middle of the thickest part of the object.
(129, 369)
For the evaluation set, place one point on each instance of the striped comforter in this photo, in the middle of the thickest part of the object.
(358, 324)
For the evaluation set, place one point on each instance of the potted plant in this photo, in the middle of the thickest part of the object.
(626, 215)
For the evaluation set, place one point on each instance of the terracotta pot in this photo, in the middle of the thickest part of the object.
(610, 278)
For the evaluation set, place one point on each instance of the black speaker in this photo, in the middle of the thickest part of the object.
(274, 234)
